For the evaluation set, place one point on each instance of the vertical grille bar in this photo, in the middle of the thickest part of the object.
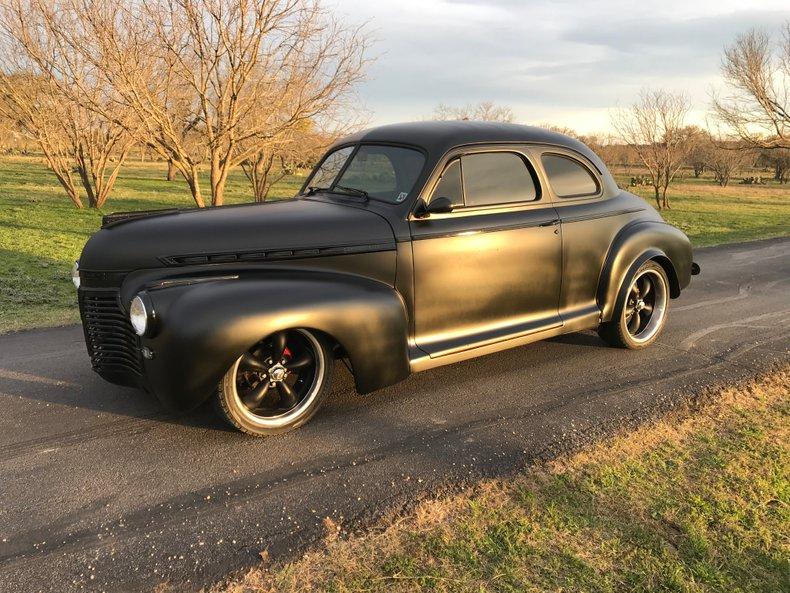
(113, 346)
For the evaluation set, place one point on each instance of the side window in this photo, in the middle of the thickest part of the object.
(449, 185)
(568, 178)
(497, 178)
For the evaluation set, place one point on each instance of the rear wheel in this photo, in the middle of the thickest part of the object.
(278, 384)
(642, 313)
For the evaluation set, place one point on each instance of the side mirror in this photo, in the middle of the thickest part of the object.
(437, 206)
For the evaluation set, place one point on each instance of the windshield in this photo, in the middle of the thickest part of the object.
(386, 173)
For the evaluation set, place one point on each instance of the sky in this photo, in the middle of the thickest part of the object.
(564, 62)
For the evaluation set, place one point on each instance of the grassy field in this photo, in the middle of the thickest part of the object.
(712, 215)
(697, 502)
(42, 234)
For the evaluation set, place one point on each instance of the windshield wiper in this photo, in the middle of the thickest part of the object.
(311, 190)
(353, 191)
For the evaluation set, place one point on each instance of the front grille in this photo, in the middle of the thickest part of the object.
(112, 344)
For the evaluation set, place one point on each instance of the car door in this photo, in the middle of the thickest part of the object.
(491, 269)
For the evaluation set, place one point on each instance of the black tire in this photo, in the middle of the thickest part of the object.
(254, 398)
(651, 309)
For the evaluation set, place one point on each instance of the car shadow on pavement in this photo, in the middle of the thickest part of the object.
(69, 388)
(586, 338)
(68, 382)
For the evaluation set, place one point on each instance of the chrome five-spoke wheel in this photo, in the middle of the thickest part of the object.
(646, 305)
(278, 384)
(641, 316)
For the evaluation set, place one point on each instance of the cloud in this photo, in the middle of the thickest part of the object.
(558, 58)
(684, 35)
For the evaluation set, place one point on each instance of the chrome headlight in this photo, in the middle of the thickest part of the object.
(75, 274)
(141, 314)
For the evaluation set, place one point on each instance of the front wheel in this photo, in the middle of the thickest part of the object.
(640, 316)
(278, 384)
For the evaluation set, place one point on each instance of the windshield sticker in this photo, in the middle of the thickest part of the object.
(401, 196)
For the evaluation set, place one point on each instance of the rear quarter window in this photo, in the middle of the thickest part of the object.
(568, 177)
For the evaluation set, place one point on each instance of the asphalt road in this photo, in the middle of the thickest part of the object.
(101, 490)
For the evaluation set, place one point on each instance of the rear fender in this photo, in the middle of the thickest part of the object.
(634, 245)
(204, 328)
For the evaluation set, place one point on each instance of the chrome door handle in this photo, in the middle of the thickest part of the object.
(554, 222)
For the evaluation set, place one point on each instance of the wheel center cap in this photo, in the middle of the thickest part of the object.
(277, 372)
(640, 304)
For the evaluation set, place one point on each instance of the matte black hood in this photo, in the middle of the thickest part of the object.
(153, 240)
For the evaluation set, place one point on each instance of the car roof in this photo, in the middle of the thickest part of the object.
(438, 137)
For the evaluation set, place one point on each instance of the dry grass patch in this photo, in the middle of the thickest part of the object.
(695, 502)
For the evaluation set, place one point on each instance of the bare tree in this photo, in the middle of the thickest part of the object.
(101, 149)
(72, 137)
(9, 136)
(725, 158)
(215, 80)
(654, 127)
(272, 162)
(559, 129)
(483, 111)
(614, 153)
(757, 75)
(698, 150)
(779, 160)
(32, 107)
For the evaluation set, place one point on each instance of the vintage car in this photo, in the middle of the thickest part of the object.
(410, 246)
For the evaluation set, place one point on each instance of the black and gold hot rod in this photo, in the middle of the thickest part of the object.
(410, 246)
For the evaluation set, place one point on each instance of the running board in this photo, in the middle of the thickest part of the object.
(421, 361)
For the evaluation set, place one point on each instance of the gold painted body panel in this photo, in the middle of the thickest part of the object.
(476, 282)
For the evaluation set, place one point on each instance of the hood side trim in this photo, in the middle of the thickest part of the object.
(190, 259)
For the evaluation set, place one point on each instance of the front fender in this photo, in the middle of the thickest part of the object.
(204, 327)
(635, 244)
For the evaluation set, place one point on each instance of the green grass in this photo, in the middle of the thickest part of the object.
(713, 215)
(42, 234)
(690, 504)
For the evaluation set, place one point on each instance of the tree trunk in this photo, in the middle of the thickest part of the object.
(780, 172)
(658, 196)
(74, 197)
(218, 195)
(171, 170)
(263, 168)
(68, 186)
(218, 178)
(71, 191)
(63, 176)
(85, 178)
(258, 170)
(193, 182)
(190, 173)
(259, 184)
(104, 194)
(217, 187)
